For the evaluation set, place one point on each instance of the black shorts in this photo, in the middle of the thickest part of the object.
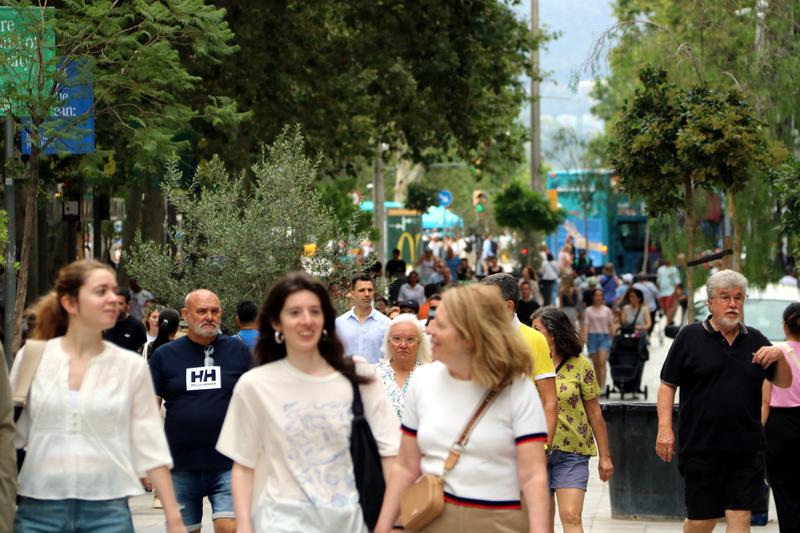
(716, 482)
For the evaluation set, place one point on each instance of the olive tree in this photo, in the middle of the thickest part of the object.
(237, 235)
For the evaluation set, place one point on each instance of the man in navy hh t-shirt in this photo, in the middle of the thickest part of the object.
(195, 376)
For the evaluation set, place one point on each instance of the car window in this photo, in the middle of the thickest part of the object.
(764, 315)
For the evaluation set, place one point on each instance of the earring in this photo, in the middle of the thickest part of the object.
(324, 334)
(278, 337)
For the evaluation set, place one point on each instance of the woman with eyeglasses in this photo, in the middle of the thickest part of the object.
(406, 347)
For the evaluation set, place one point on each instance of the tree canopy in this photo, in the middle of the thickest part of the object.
(426, 77)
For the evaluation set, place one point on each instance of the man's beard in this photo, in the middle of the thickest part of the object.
(202, 332)
(729, 323)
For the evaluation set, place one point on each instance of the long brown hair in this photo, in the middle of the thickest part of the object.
(51, 318)
(479, 314)
(330, 347)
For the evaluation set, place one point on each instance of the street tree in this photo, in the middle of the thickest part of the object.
(527, 212)
(132, 53)
(671, 141)
(421, 196)
(240, 233)
(751, 46)
(426, 77)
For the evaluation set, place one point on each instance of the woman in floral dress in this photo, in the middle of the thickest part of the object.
(405, 348)
(580, 421)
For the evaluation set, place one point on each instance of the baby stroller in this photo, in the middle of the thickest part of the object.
(627, 357)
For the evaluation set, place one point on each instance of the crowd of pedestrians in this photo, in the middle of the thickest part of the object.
(470, 394)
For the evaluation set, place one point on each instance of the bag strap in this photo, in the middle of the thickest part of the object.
(458, 446)
(636, 317)
(561, 364)
(358, 405)
(31, 358)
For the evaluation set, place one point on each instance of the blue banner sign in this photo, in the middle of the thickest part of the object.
(72, 128)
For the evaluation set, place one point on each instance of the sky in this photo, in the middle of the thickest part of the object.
(579, 24)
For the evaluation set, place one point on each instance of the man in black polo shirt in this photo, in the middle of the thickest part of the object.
(128, 332)
(720, 365)
(195, 376)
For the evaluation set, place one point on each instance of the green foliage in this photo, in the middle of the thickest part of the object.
(669, 139)
(520, 209)
(238, 240)
(786, 180)
(421, 195)
(132, 52)
(425, 77)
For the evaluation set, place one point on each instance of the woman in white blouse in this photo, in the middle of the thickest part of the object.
(406, 347)
(91, 427)
(289, 422)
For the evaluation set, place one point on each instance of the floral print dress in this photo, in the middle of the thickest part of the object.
(396, 393)
(575, 382)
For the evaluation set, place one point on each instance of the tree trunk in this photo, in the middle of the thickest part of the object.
(407, 173)
(28, 238)
(133, 222)
(646, 252)
(689, 248)
(152, 217)
(586, 232)
(736, 227)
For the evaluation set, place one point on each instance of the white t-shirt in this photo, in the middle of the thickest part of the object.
(438, 407)
(99, 449)
(294, 430)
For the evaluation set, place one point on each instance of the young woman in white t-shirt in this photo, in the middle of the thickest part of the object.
(475, 349)
(289, 422)
(91, 427)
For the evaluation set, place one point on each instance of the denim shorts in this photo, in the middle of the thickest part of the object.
(567, 470)
(67, 516)
(192, 487)
(598, 341)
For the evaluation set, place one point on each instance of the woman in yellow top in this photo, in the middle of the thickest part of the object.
(580, 420)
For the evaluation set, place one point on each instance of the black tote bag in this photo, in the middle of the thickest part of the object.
(367, 466)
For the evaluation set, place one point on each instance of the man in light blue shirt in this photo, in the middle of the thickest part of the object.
(361, 329)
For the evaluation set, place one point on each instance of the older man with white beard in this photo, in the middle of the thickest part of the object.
(720, 365)
(195, 376)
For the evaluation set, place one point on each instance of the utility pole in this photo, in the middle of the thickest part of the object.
(377, 203)
(10, 278)
(536, 125)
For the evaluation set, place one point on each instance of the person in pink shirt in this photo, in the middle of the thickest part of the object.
(780, 414)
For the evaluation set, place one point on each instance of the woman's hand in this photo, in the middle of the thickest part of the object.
(605, 468)
(176, 527)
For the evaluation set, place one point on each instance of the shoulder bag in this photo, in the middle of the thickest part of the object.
(423, 501)
(367, 466)
(34, 350)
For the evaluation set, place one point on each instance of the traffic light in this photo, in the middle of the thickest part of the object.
(476, 167)
(479, 201)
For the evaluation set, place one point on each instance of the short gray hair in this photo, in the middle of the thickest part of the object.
(424, 348)
(508, 284)
(725, 279)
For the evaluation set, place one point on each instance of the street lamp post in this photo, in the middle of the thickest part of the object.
(536, 139)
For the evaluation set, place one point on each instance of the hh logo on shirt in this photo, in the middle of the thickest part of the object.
(203, 378)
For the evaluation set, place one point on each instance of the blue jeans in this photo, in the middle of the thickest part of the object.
(192, 487)
(73, 516)
(598, 341)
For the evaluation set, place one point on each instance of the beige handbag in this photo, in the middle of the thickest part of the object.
(423, 501)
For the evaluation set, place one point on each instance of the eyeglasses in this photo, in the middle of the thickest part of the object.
(397, 341)
(737, 299)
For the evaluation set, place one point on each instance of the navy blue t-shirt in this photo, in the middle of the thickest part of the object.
(196, 396)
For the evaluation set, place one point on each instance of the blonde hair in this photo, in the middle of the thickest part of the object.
(479, 314)
(424, 346)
